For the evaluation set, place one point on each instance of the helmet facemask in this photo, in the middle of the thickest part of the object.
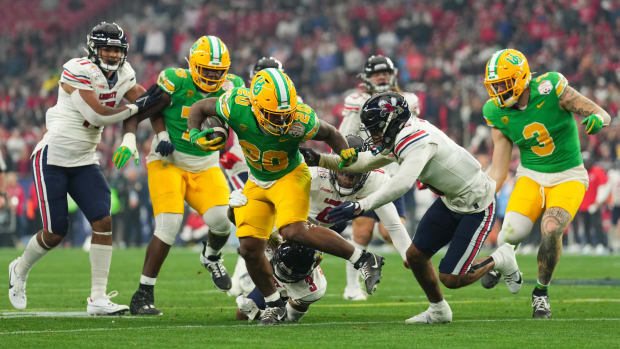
(379, 64)
(507, 75)
(209, 62)
(106, 35)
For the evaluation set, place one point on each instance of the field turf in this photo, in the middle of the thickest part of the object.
(585, 301)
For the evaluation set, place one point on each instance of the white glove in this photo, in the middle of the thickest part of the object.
(237, 199)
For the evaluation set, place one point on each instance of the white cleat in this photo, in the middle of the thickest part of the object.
(506, 264)
(103, 305)
(438, 314)
(354, 294)
(248, 307)
(17, 287)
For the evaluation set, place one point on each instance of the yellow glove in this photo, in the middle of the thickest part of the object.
(347, 157)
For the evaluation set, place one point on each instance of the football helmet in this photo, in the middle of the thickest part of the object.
(506, 76)
(102, 35)
(377, 64)
(383, 116)
(292, 261)
(209, 62)
(264, 63)
(274, 100)
(349, 183)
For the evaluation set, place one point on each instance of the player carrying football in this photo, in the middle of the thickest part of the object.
(270, 124)
(537, 115)
(65, 161)
(178, 171)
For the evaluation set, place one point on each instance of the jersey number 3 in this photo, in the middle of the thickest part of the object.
(545, 141)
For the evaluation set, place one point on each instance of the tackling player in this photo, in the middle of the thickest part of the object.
(184, 172)
(462, 215)
(297, 276)
(537, 115)
(270, 124)
(65, 161)
(379, 75)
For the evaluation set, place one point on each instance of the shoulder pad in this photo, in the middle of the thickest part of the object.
(411, 134)
(356, 100)
(79, 73)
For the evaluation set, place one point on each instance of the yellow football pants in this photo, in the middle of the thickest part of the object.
(169, 186)
(285, 202)
(530, 198)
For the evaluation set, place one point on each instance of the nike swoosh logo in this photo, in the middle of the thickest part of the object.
(540, 105)
(282, 140)
(376, 264)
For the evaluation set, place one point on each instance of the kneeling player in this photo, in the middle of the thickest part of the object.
(297, 276)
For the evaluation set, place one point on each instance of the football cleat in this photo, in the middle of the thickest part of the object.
(103, 305)
(540, 306)
(272, 316)
(490, 279)
(506, 263)
(432, 315)
(354, 294)
(218, 271)
(143, 303)
(514, 281)
(370, 266)
(17, 287)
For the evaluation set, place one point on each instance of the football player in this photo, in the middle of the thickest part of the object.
(537, 115)
(182, 172)
(65, 161)
(462, 216)
(328, 190)
(379, 75)
(270, 124)
(297, 276)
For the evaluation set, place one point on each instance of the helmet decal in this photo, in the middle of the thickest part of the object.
(281, 88)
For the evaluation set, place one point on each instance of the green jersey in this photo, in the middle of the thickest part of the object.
(546, 134)
(178, 83)
(269, 157)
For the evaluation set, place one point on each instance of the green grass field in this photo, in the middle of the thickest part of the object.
(586, 313)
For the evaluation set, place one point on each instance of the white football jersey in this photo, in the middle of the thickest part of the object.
(324, 197)
(308, 290)
(451, 171)
(70, 138)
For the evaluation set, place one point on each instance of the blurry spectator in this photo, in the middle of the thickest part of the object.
(7, 222)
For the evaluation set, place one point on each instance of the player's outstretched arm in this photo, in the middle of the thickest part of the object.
(500, 162)
(595, 117)
(330, 135)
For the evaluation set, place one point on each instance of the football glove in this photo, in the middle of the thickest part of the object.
(237, 199)
(347, 157)
(311, 157)
(594, 124)
(344, 212)
(148, 98)
(164, 147)
(126, 150)
(199, 139)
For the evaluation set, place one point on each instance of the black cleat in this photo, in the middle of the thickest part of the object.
(490, 279)
(219, 274)
(142, 303)
(541, 307)
(274, 313)
(370, 266)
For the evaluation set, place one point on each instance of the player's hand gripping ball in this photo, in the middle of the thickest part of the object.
(213, 136)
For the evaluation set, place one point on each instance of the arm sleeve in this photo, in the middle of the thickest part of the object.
(365, 162)
(408, 171)
(97, 119)
(388, 215)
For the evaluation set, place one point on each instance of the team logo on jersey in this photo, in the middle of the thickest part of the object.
(297, 129)
(545, 87)
(190, 93)
(243, 127)
(505, 119)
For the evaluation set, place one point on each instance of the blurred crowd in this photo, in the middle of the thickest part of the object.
(440, 49)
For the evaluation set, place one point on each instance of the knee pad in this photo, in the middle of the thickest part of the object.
(515, 229)
(167, 225)
(217, 219)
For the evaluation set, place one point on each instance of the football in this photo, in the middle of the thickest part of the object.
(220, 129)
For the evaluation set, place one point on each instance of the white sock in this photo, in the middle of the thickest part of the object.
(293, 314)
(273, 297)
(145, 280)
(100, 259)
(353, 280)
(209, 251)
(357, 253)
(441, 304)
(31, 255)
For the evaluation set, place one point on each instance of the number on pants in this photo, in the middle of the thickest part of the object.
(545, 141)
